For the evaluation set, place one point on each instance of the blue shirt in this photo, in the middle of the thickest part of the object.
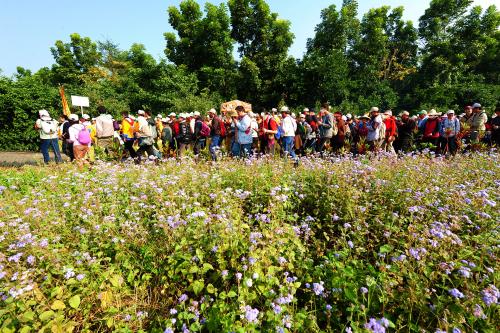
(244, 130)
(453, 125)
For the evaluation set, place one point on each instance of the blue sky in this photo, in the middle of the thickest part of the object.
(28, 28)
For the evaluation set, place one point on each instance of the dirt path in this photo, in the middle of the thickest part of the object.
(17, 158)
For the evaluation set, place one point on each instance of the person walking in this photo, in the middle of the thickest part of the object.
(105, 129)
(184, 136)
(79, 135)
(217, 132)
(49, 136)
(325, 125)
(242, 123)
(477, 122)
(127, 133)
(374, 125)
(390, 132)
(448, 132)
(289, 127)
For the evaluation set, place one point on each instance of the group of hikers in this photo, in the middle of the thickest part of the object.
(242, 133)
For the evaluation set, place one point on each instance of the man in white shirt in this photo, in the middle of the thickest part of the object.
(289, 126)
(48, 131)
(144, 135)
(374, 129)
(104, 129)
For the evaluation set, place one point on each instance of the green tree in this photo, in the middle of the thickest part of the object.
(263, 41)
(79, 56)
(203, 44)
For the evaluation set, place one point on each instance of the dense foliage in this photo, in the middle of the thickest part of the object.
(451, 59)
(408, 244)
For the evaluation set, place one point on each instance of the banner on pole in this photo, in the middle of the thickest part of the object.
(66, 110)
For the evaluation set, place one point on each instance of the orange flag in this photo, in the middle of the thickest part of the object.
(65, 106)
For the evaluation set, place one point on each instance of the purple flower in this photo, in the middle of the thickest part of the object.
(183, 298)
(455, 293)
(276, 308)
(456, 330)
(239, 276)
(249, 283)
(464, 271)
(224, 273)
(251, 314)
(351, 244)
(168, 330)
(318, 288)
(363, 290)
(490, 295)
(328, 307)
(173, 312)
(30, 259)
(377, 326)
(80, 277)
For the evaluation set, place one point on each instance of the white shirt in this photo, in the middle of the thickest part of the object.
(289, 126)
(374, 129)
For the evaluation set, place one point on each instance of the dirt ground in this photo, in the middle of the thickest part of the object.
(16, 158)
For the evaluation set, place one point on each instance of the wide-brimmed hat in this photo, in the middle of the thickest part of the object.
(477, 106)
(423, 112)
(388, 112)
(172, 114)
(285, 109)
(374, 109)
(365, 116)
(86, 116)
(141, 112)
(196, 114)
(73, 117)
(405, 113)
(212, 111)
(433, 113)
(450, 112)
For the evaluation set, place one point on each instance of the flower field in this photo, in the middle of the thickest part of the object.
(381, 245)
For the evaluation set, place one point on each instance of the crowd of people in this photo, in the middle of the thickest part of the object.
(241, 133)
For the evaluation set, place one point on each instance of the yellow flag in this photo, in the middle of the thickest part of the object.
(66, 110)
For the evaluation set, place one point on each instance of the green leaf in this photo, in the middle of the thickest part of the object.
(198, 286)
(385, 248)
(74, 302)
(231, 294)
(211, 289)
(193, 269)
(28, 316)
(46, 315)
(25, 329)
(57, 305)
(207, 267)
(116, 280)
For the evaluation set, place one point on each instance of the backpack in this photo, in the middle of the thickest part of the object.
(205, 130)
(84, 136)
(49, 126)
